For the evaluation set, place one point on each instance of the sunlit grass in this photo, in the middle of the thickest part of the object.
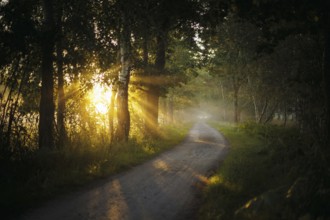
(221, 180)
(42, 177)
(140, 149)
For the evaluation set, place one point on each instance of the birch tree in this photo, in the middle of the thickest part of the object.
(123, 80)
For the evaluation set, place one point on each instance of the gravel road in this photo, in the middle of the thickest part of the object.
(165, 187)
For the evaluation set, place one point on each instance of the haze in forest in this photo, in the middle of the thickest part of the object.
(79, 80)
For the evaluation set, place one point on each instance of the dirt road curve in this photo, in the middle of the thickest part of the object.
(163, 188)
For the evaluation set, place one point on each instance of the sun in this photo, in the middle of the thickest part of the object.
(100, 97)
(101, 108)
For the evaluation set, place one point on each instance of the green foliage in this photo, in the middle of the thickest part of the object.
(260, 158)
(265, 56)
(269, 132)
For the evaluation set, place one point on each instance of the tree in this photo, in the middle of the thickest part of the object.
(166, 17)
(235, 49)
(123, 81)
(124, 74)
(326, 73)
(60, 79)
(47, 108)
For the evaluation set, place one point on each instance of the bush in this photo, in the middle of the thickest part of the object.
(262, 159)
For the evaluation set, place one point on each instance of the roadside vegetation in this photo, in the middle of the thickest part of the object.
(269, 173)
(81, 81)
(38, 178)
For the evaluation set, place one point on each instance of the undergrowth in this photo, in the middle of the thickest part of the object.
(261, 158)
(38, 177)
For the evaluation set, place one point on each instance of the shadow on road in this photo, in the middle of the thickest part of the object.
(163, 188)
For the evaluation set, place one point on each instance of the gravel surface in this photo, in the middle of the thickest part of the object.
(165, 187)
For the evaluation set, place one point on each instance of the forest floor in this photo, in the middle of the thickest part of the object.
(166, 187)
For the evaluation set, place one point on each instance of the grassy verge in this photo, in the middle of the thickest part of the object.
(258, 160)
(26, 183)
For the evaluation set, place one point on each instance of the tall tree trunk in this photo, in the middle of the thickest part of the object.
(256, 110)
(160, 53)
(61, 96)
(236, 110)
(123, 81)
(271, 113)
(14, 105)
(326, 78)
(170, 109)
(263, 111)
(10, 84)
(154, 90)
(224, 112)
(144, 101)
(46, 120)
(285, 114)
(255, 104)
(112, 114)
(152, 106)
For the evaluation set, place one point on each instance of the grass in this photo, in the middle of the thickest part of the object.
(138, 150)
(26, 183)
(254, 164)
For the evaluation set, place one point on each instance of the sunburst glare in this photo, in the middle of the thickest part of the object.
(100, 97)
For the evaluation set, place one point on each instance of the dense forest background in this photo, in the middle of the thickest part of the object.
(80, 75)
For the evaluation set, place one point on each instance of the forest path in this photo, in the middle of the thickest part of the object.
(162, 188)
